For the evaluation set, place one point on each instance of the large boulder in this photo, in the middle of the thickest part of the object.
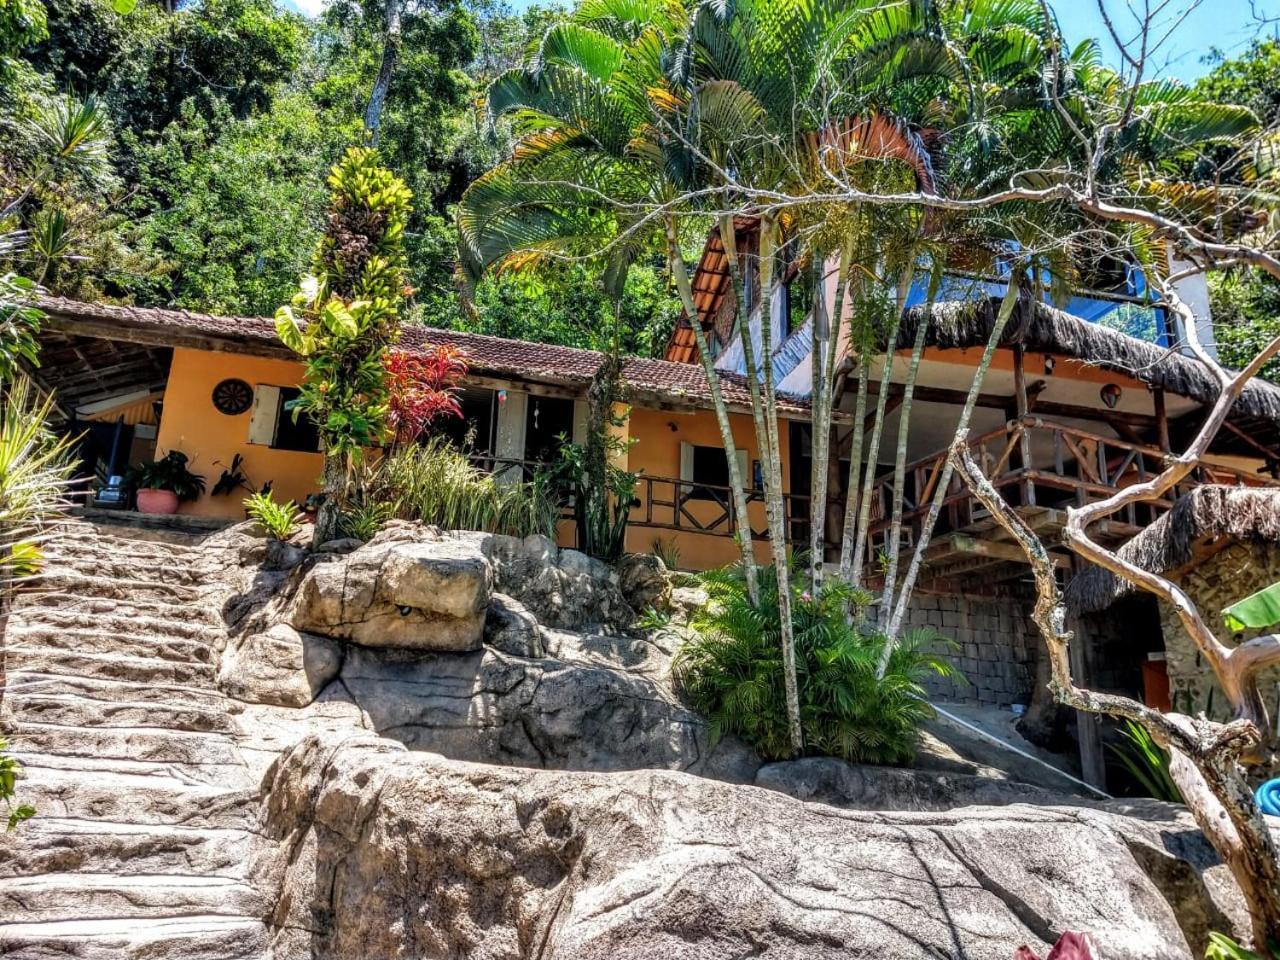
(392, 854)
(429, 593)
(279, 666)
(511, 628)
(563, 588)
(597, 702)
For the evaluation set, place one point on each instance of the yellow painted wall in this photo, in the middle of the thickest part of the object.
(192, 424)
(656, 452)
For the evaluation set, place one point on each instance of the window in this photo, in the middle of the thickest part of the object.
(708, 468)
(271, 422)
(475, 424)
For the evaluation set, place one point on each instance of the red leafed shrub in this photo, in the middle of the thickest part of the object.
(422, 388)
(1070, 946)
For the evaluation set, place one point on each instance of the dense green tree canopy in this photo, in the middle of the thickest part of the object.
(217, 120)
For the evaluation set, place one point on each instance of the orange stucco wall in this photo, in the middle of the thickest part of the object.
(192, 424)
(656, 452)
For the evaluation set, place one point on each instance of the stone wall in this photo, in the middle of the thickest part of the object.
(997, 646)
(1233, 574)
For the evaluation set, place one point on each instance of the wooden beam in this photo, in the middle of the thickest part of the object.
(1093, 768)
(975, 546)
(1047, 407)
(116, 332)
(1022, 407)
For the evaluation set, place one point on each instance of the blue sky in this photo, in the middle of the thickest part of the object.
(1228, 25)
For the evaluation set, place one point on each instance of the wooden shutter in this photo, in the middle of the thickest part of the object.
(266, 411)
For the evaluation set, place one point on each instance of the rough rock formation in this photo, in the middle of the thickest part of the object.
(189, 807)
(385, 854)
(420, 595)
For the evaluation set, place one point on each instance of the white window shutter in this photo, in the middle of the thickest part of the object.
(744, 467)
(686, 461)
(266, 411)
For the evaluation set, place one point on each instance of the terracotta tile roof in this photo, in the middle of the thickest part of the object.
(655, 380)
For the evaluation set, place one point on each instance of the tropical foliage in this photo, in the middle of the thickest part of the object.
(169, 472)
(279, 521)
(1146, 762)
(434, 482)
(422, 388)
(346, 316)
(730, 669)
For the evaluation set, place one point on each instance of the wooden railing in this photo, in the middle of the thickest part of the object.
(666, 503)
(1036, 462)
(1033, 462)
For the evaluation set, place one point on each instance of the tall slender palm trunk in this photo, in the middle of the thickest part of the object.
(904, 429)
(826, 341)
(854, 484)
(958, 440)
(386, 70)
(873, 454)
(737, 485)
(776, 510)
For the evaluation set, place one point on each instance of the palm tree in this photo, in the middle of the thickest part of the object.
(589, 163)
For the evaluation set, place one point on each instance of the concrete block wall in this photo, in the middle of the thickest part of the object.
(996, 641)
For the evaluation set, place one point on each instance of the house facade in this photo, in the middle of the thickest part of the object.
(1070, 410)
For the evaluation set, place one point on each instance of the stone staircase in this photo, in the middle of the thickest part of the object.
(144, 840)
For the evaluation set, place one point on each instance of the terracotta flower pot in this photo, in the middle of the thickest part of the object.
(157, 501)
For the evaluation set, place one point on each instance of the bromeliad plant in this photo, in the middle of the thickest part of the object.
(346, 316)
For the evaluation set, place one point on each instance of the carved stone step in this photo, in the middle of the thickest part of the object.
(158, 745)
(53, 896)
(140, 669)
(201, 937)
(50, 845)
(73, 711)
(86, 640)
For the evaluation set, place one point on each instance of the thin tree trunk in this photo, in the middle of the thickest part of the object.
(852, 499)
(729, 240)
(329, 514)
(904, 428)
(386, 71)
(776, 509)
(826, 338)
(873, 452)
(958, 440)
(736, 482)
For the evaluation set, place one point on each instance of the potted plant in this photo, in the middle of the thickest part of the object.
(163, 484)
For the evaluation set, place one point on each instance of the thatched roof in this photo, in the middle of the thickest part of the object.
(1040, 328)
(1248, 514)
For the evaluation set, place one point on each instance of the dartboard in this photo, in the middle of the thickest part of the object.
(232, 397)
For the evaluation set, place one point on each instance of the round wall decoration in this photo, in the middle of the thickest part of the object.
(232, 397)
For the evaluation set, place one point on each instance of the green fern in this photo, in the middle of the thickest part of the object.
(730, 669)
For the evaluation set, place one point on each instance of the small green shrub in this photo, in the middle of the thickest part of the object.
(668, 551)
(435, 483)
(279, 521)
(1222, 947)
(730, 669)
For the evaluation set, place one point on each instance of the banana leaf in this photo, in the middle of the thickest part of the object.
(1254, 612)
